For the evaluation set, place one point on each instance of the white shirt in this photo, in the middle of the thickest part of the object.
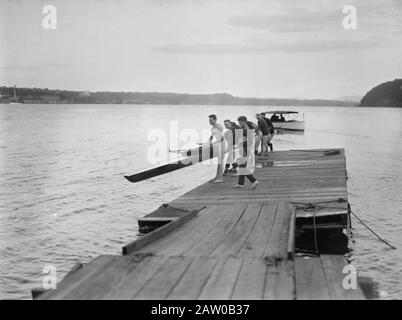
(216, 132)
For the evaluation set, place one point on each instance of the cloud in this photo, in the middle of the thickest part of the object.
(207, 48)
(295, 16)
(291, 22)
(328, 46)
(296, 47)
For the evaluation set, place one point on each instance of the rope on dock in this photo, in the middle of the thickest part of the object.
(327, 152)
(166, 205)
(315, 206)
(372, 231)
(309, 205)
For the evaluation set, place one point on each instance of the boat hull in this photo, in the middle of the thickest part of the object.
(289, 125)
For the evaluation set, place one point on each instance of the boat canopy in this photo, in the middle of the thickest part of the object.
(280, 112)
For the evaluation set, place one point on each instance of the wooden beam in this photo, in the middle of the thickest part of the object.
(158, 233)
(291, 239)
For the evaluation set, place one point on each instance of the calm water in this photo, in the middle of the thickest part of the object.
(63, 197)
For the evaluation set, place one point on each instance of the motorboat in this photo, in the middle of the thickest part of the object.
(286, 120)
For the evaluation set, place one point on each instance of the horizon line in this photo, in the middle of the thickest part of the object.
(184, 93)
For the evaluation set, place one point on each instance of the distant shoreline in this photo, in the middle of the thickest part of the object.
(48, 96)
(356, 105)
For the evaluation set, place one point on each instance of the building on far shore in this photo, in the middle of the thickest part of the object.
(4, 98)
(85, 94)
(50, 98)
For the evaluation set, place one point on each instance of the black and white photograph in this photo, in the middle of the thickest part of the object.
(215, 152)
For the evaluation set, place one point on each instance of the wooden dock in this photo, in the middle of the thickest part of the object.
(300, 176)
(215, 242)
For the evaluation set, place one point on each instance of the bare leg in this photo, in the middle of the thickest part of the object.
(257, 143)
(219, 175)
(270, 137)
(264, 145)
(219, 172)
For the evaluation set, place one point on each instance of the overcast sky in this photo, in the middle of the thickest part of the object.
(267, 48)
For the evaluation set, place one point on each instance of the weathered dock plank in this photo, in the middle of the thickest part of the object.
(75, 280)
(207, 228)
(193, 280)
(277, 245)
(136, 279)
(310, 279)
(321, 278)
(250, 281)
(222, 280)
(252, 246)
(164, 281)
(211, 235)
(333, 266)
(234, 239)
(280, 282)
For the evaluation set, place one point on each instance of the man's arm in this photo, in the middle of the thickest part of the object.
(257, 129)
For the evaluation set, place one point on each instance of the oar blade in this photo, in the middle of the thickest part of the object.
(195, 155)
(157, 171)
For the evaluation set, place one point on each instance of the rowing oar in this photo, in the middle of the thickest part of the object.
(194, 156)
(189, 151)
(165, 168)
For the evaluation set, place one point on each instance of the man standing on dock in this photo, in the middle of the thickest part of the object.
(271, 131)
(217, 133)
(256, 130)
(262, 124)
(231, 139)
(246, 161)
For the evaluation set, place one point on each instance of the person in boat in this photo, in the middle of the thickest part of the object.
(231, 139)
(217, 134)
(274, 118)
(271, 131)
(246, 160)
(263, 126)
(282, 118)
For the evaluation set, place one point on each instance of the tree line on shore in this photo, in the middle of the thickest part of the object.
(387, 94)
(32, 95)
